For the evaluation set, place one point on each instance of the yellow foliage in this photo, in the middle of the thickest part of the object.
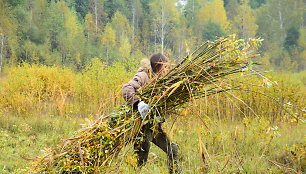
(70, 20)
(245, 22)
(29, 86)
(89, 25)
(214, 11)
(109, 36)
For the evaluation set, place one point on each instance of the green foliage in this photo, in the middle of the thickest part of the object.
(256, 3)
(71, 33)
(15, 3)
(292, 37)
(212, 30)
(81, 7)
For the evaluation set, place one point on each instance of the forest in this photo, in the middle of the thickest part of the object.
(63, 64)
(71, 33)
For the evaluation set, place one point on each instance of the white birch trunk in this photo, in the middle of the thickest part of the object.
(281, 22)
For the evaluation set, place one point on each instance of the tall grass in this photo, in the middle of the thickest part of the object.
(54, 90)
(258, 130)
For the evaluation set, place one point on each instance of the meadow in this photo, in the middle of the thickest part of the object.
(260, 129)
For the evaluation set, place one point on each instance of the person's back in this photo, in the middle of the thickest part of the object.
(154, 67)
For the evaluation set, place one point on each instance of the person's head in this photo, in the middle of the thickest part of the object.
(158, 63)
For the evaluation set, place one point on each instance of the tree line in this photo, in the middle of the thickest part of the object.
(71, 33)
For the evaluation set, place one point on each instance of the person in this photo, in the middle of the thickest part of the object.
(152, 68)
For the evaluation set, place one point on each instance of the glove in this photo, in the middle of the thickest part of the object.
(143, 109)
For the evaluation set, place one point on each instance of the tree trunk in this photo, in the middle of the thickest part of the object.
(281, 22)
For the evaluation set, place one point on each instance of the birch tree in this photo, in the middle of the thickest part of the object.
(165, 16)
(109, 40)
(244, 21)
(96, 9)
(213, 11)
(8, 39)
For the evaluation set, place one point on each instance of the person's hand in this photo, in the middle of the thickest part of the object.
(143, 109)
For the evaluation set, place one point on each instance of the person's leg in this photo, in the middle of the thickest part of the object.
(162, 141)
(142, 148)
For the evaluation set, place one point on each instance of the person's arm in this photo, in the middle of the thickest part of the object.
(129, 89)
(129, 93)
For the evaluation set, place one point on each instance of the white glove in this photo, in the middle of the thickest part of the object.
(143, 109)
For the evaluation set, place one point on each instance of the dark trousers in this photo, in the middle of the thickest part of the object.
(160, 139)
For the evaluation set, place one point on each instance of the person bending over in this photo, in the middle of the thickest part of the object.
(152, 68)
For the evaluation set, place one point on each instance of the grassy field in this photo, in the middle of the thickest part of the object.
(222, 146)
(247, 133)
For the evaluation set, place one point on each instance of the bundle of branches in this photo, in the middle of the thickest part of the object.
(198, 75)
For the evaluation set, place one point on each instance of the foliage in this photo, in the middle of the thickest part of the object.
(212, 31)
(35, 88)
(30, 86)
(72, 32)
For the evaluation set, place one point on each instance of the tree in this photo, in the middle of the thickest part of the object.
(72, 33)
(256, 3)
(212, 30)
(122, 27)
(179, 35)
(81, 7)
(8, 38)
(136, 16)
(213, 11)
(276, 17)
(279, 23)
(89, 26)
(112, 7)
(231, 7)
(125, 47)
(292, 38)
(302, 46)
(145, 37)
(165, 17)
(244, 21)
(97, 11)
(190, 11)
(109, 39)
